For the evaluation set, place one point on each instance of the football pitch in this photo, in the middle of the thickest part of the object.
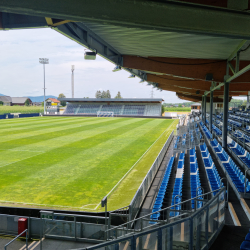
(71, 163)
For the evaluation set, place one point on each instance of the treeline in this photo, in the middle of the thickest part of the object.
(106, 94)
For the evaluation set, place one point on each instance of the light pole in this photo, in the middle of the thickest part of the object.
(72, 80)
(44, 61)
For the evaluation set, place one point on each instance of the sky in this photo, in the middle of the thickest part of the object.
(22, 75)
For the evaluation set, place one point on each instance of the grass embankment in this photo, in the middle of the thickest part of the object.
(20, 109)
(73, 162)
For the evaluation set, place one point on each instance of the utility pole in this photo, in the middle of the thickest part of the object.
(72, 80)
(152, 93)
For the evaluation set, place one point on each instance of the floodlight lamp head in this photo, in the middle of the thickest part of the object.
(44, 60)
(132, 76)
(72, 67)
(117, 68)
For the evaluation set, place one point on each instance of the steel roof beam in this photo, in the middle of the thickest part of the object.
(85, 37)
(161, 15)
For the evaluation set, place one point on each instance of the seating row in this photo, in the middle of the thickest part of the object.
(206, 131)
(212, 173)
(177, 191)
(241, 136)
(238, 118)
(216, 130)
(177, 141)
(236, 175)
(243, 114)
(194, 179)
(242, 154)
(237, 124)
(161, 193)
(184, 137)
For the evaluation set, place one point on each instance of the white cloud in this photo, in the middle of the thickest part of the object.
(21, 73)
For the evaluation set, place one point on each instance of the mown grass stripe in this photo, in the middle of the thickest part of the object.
(40, 120)
(49, 130)
(36, 127)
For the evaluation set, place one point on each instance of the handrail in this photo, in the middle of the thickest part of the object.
(133, 221)
(25, 231)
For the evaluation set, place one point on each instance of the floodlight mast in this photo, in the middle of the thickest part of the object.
(44, 61)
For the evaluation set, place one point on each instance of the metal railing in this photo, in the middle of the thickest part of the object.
(145, 222)
(20, 235)
(197, 231)
(141, 193)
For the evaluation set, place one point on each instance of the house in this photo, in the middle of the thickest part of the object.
(36, 103)
(6, 100)
(10, 101)
(20, 101)
(52, 102)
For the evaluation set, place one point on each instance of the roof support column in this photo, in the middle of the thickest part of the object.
(225, 115)
(211, 111)
(205, 110)
(202, 108)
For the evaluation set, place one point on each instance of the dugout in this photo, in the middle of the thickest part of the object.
(113, 106)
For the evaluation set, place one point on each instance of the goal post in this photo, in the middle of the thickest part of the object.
(105, 114)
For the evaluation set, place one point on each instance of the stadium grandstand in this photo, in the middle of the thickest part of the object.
(196, 195)
(113, 107)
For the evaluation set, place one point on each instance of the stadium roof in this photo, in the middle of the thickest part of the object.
(185, 46)
(111, 99)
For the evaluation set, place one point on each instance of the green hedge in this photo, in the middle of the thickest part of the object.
(180, 109)
(20, 109)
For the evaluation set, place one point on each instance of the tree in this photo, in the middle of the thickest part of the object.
(62, 102)
(118, 96)
(104, 94)
(98, 94)
(27, 103)
(162, 109)
(179, 105)
(108, 95)
(1, 103)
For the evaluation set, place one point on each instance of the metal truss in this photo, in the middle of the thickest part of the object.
(235, 70)
(81, 34)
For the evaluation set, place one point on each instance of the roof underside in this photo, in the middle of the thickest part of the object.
(172, 45)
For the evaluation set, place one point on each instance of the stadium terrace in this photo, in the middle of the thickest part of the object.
(113, 106)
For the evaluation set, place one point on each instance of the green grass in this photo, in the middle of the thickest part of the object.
(20, 109)
(73, 162)
(183, 109)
